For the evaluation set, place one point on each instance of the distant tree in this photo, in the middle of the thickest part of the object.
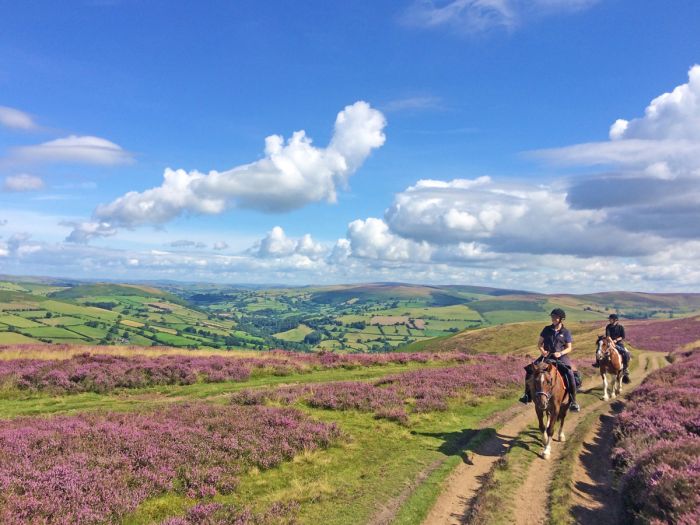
(48, 315)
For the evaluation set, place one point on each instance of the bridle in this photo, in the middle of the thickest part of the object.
(550, 384)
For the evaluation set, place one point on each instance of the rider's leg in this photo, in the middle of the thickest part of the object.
(625, 354)
(570, 386)
(578, 379)
(526, 396)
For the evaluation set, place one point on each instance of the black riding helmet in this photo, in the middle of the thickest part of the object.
(558, 312)
(613, 317)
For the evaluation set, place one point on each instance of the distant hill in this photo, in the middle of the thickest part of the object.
(109, 289)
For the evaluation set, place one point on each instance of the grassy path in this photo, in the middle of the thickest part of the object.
(506, 481)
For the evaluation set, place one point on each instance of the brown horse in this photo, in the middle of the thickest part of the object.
(548, 391)
(610, 363)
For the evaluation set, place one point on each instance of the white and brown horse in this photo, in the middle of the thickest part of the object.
(610, 362)
(548, 391)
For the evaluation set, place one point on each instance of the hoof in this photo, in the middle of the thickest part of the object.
(545, 455)
(562, 438)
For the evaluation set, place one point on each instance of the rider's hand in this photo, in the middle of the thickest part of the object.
(544, 352)
(557, 355)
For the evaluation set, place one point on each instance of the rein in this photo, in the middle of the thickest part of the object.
(548, 395)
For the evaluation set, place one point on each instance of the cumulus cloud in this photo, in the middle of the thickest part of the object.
(220, 245)
(473, 16)
(276, 244)
(654, 167)
(22, 182)
(506, 218)
(670, 116)
(15, 119)
(292, 174)
(372, 238)
(75, 149)
(663, 144)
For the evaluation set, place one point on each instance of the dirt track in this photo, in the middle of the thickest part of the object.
(595, 501)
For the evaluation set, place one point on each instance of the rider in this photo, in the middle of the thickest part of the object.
(555, 343)
(615, 331)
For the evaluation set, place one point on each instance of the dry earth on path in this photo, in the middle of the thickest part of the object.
(595, 501)
(453, 504)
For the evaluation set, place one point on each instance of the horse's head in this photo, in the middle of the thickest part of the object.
(544, 380)
(604, 345)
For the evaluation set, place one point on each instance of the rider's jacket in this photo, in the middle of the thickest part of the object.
(555, 340)
(614, 331)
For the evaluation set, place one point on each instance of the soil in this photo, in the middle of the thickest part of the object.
(595, 500)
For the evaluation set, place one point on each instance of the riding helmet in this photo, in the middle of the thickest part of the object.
(613, 317)
(558, 312)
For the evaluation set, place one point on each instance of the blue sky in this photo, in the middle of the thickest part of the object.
(474, 143)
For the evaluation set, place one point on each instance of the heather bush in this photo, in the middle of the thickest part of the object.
(424, 390)
(658, 445)
(95, 468)
(663, 336)
(218, 514)
(104, 373)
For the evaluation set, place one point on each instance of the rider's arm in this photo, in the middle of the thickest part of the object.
(540, 346)
(567, 350)
(622, 334)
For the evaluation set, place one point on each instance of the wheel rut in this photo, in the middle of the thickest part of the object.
(531, 499)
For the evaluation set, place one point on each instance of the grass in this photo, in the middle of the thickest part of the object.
(494, 504)
(15, 338)
(295, 334)
(18, 322)
(349, 483)
(560, 490)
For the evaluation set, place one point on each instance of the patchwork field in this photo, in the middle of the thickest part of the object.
(346, 436)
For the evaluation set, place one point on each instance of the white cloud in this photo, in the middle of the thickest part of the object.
(371, 238)
(75, 149)
(276, 244)
(474, 16)
(15, 119)
(22, 182)
(670, 116)
(664, 143)
(220, 245)
(292, 174)
(506, 218)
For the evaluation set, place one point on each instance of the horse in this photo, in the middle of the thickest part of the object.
(551, 399)
(610, 363)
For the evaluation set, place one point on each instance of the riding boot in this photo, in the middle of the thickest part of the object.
(571, 387)
(526, 396)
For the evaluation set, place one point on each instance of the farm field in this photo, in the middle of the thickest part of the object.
(339, 412)
(353, 318)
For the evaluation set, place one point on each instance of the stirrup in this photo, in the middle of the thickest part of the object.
(525, 399)
(574, 407)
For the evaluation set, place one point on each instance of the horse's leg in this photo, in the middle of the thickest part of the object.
(605, 383)
(562, 417)
(540, 418)
(618, 383)
(550, 430)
